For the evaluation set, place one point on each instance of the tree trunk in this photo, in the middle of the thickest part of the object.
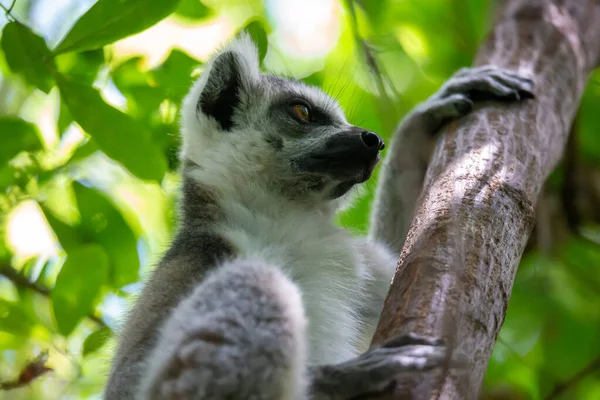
(458, 264)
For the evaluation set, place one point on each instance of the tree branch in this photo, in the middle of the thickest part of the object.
(20, 280)
(457, 267)
(30, 372)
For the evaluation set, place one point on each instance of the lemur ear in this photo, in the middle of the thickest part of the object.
(230, 72)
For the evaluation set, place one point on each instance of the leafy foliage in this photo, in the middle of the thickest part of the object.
(115, 132)
(89, 159)
(27, 53)
(74, 293)
(25, 138)
(110, 20)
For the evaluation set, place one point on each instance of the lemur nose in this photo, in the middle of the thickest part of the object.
(372, 140)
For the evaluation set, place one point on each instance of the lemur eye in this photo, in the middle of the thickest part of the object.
(301, 111)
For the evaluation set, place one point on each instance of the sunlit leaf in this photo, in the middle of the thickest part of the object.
(17, 135)
(96, 340)
(102, 222)
(78, 285)
(27, 53)
(193, 10)
(117, 134)
(110, 20)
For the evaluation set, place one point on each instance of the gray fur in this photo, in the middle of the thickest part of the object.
(260, 295)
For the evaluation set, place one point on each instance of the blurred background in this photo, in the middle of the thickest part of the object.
(89, 105)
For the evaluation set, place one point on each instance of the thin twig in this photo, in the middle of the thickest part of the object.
(11, 6)
(370, 58)
(32, 371)
(8, 10)
(20, 280)
(562, 387)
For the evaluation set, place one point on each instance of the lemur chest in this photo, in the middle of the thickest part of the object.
(320, 259)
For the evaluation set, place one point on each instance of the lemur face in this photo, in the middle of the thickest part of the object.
(242, 126)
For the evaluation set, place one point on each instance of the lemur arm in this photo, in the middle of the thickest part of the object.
(406, 163)
(411, 147)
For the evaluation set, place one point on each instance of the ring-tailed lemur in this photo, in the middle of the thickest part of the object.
(261, 295)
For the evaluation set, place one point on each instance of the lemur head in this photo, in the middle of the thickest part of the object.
(244, 129)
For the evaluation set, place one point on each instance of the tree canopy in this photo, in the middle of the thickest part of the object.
(89, 105)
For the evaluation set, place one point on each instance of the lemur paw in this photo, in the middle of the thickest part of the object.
(470, 85)
(376, 370)
(492, 82)
(405, 354)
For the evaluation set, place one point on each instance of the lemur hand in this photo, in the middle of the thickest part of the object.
(376, 370)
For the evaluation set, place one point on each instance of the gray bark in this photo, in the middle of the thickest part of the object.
(476, 212)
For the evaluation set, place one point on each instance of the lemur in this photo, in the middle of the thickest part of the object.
(261, 295)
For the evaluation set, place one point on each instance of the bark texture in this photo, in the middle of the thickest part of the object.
(476, 212)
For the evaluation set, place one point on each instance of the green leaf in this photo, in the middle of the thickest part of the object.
(145, 91)
(117, 134)
(67, 235)
(84, 151)
(589, 124)
(314, 79)
(7, 177)
(174, 76)
(17, 135)
(257, 31)
(78, 285)
(13, 319)
(192, 10)
(83, 66)
(110, 20)
(102, 222)
(64, 118)
(129, 74)
(165, 135)
(374, 9)
(96, 340)
(570, 343)
(26, 53)
(143, 97)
